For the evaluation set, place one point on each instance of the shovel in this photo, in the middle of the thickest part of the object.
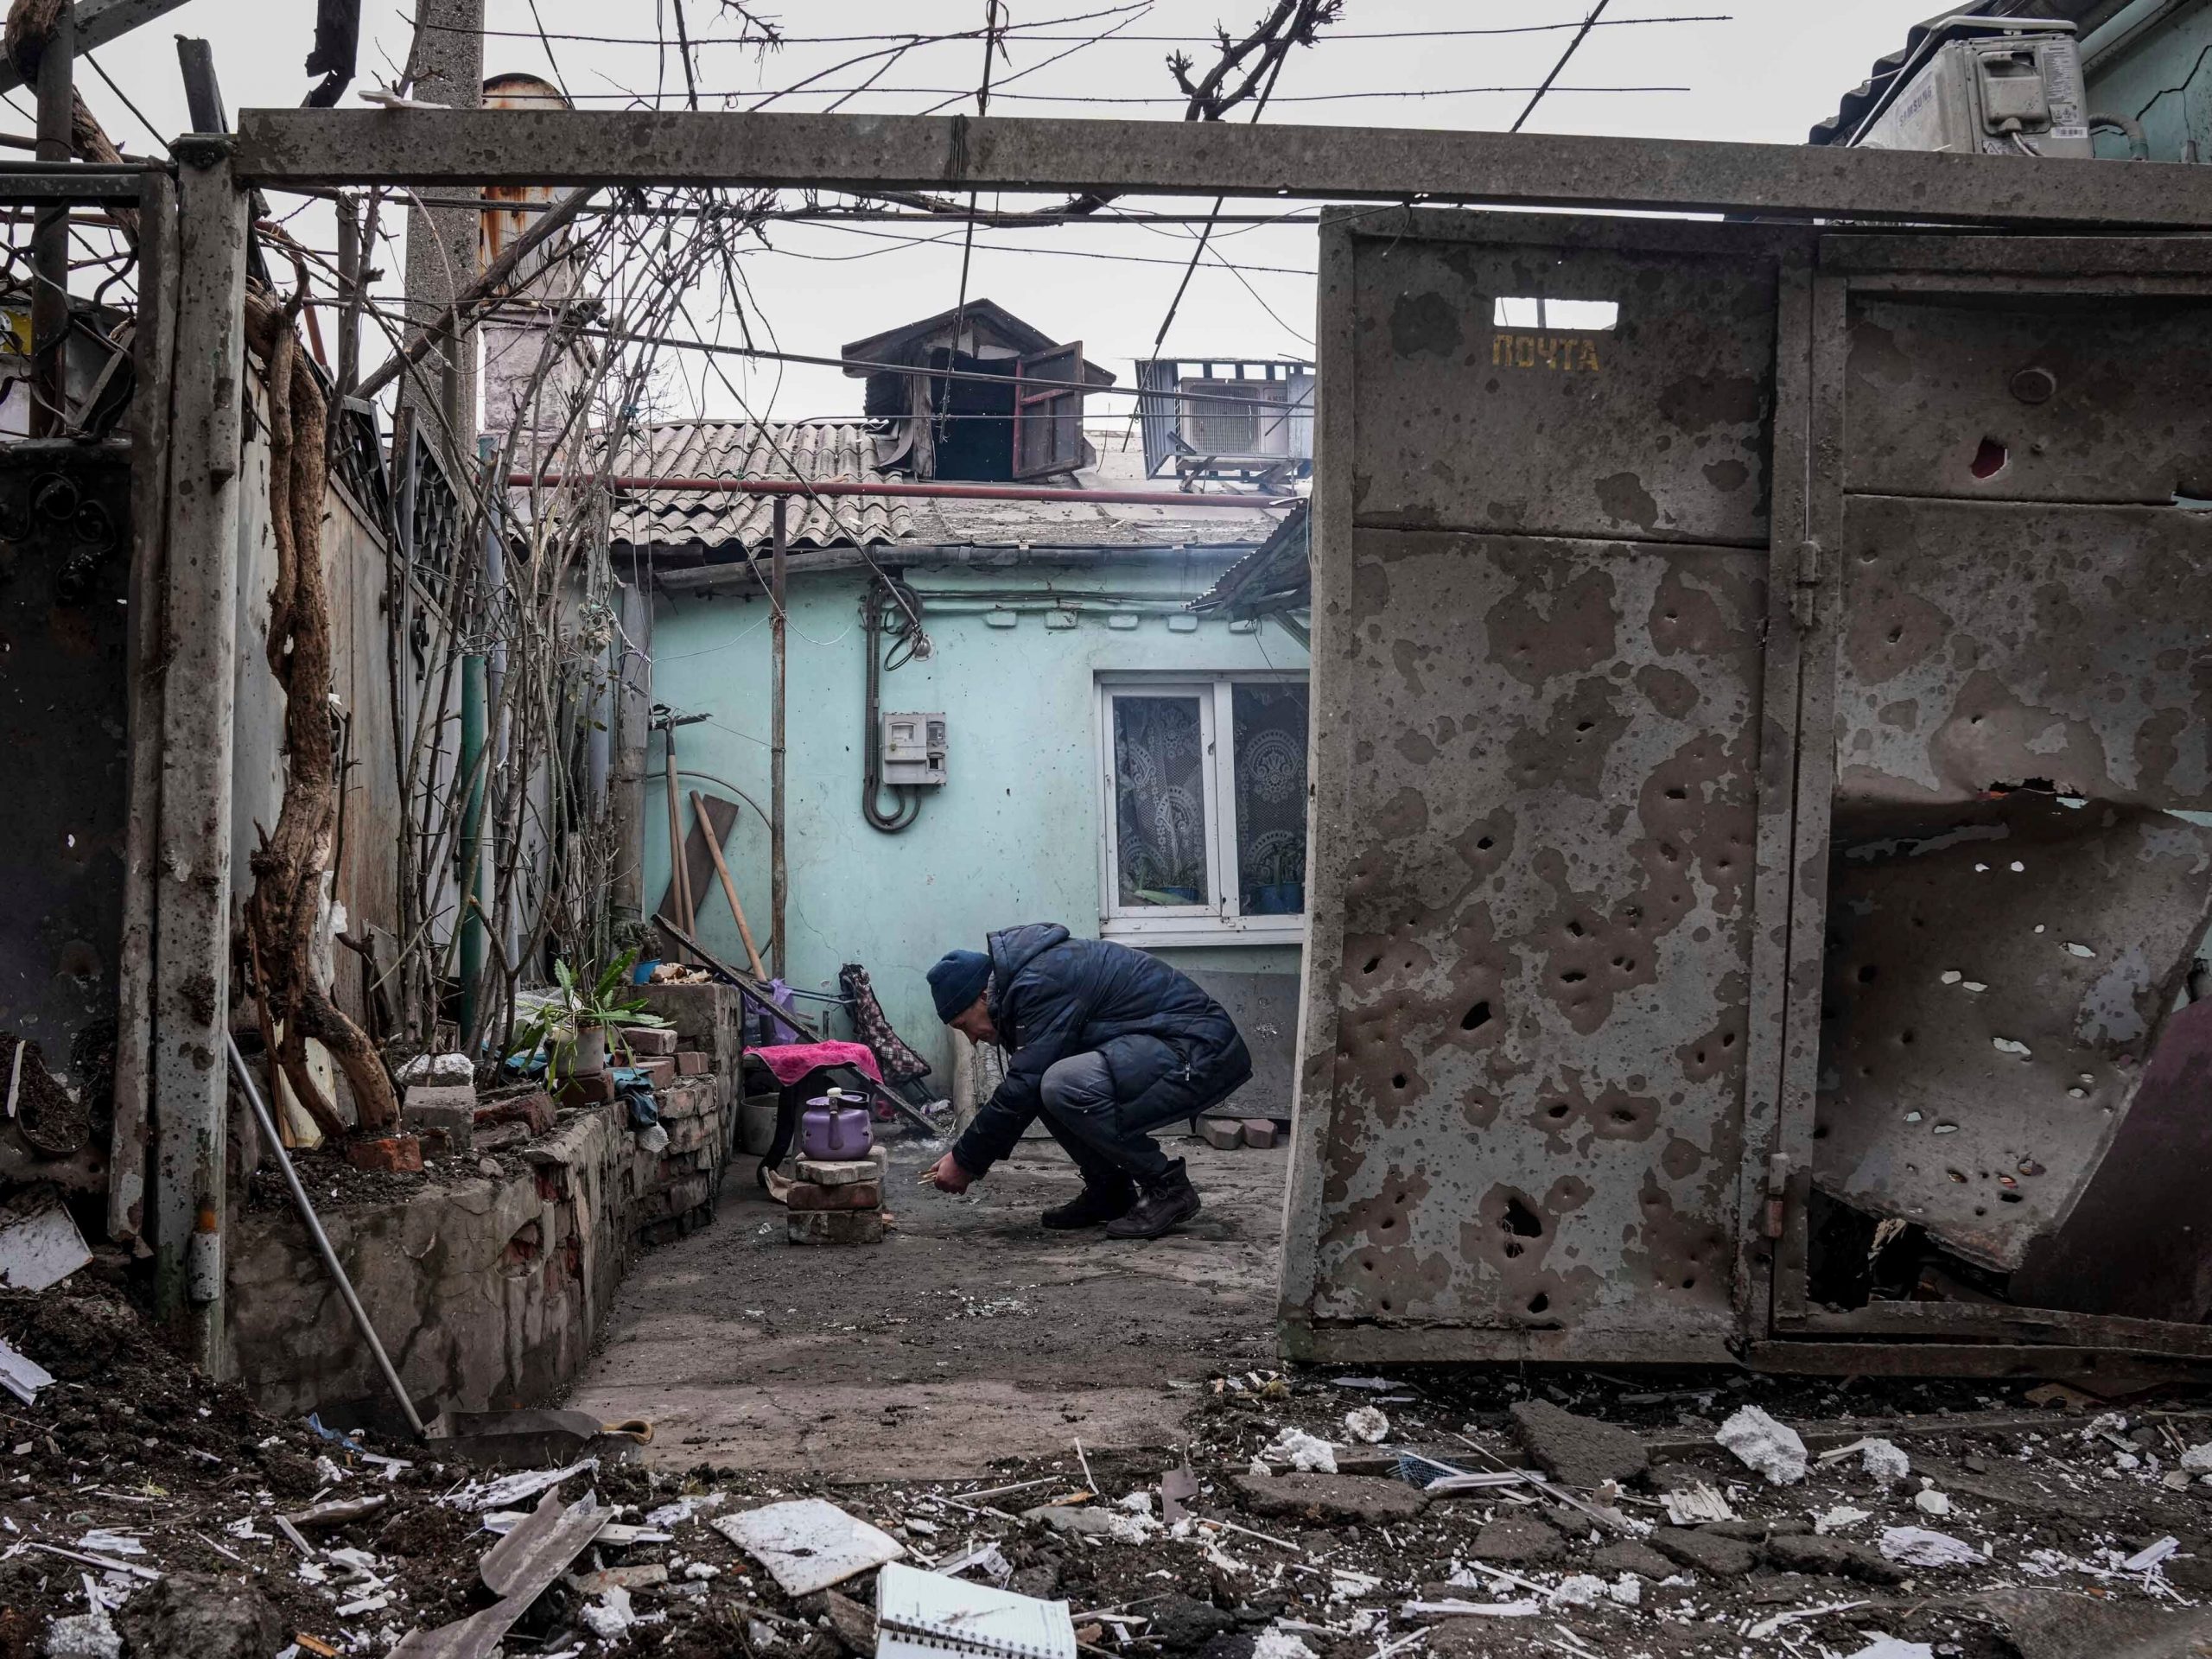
(510, 1439)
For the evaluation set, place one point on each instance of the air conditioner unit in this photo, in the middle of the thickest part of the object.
(1986, 86)
(1240, 419)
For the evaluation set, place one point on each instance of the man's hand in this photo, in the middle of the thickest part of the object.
(947, 1176)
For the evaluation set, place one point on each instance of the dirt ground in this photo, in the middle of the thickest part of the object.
(935, 1388)
(970, 1336)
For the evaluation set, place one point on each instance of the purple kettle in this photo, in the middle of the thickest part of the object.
(834, 1128)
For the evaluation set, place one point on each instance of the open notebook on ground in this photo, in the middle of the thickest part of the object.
(925, 1615)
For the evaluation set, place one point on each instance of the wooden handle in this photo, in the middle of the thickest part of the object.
(729, 888)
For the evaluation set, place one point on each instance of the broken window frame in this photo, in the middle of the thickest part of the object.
(1223, 919)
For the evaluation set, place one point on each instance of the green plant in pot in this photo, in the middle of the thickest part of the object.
(574, 1023)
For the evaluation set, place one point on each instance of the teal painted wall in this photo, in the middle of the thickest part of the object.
(2165, 80)
(1012, 838)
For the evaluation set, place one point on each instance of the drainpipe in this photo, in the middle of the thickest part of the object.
(472, 825)
(778, 877)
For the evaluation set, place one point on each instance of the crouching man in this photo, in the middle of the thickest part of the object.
(1107, 1044)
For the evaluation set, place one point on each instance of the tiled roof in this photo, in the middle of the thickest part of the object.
(816, 451)
(713, 527)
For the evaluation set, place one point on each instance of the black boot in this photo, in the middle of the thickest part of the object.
(1109, 1201)
(1168, 1201)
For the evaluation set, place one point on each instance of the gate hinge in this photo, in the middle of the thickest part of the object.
(1777, 1188)
(1804, 594)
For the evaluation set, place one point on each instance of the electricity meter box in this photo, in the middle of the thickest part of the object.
(1986, 85)
(913, 749)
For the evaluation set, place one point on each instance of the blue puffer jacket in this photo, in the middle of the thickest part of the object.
(1052, 996)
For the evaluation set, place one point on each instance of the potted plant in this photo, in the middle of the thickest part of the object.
(574, 1022)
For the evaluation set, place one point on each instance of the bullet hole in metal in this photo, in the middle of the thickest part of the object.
(1957, 1175)
(1398, 1081)
(1622, 1114)
(1689, 1284)
(1373, 962)
(1819, 1131)
(2009, 1198)
(1727, 1039)
(1475, 1017)
(1906, 1036)
(1521, 1221)
(1557, 1109)
(1573, 977)
(1485, 844)
(1539, 1302)
(1989, 459)
(1896, 634)
(1574, 929)
(1668, 852)
(1866, 974)
(1585, 725)
(1678, 793)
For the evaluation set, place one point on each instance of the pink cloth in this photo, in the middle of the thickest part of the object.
(791, 1061)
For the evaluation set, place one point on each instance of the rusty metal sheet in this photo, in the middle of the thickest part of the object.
(1533, 1117)
(1997, 978)
(2078, 397)
(1476, 412)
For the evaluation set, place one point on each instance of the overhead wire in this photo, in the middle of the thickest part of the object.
(1037, 32)
(1580, 36)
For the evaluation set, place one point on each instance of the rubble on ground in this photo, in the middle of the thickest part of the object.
(143, 1510)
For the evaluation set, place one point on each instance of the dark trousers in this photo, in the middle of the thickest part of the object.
(1103, 1105)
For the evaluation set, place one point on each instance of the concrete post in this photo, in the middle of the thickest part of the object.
(192, 906)
(153, 353)
(442, 253)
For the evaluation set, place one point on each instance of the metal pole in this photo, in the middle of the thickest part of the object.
(50, 412)
(778, 875)
(471, 838)
(442, 249)
(349, 282)
(276, 1143)
(192, 918)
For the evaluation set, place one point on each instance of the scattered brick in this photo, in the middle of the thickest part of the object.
(836, 1226)
(1221, 1133)
(1259, 1132)
(856, 1195)
(397, 1155)
(691, 1062)
(534, 1111)
(649, 1042)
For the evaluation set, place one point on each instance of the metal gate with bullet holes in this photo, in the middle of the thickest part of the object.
(1757, 672)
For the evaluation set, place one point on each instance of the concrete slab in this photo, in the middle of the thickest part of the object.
(973, 1336)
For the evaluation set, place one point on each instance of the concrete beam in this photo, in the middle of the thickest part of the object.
(872, 152)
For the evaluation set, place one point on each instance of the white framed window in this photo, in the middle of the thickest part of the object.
(1202, 807)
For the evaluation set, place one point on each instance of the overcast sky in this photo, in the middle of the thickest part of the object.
(1766, 74)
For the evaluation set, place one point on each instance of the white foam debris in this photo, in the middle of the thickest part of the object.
(1368, 1425)
(1771, 1448)
(1840, 1519)
(1884, 1459)
(1307, 1453)
(2198, 1460)
(1276, 1644)
(1930, 1502)
(1917, 1546)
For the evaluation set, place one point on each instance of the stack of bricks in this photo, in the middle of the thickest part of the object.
(837, 1203)
(677, 1192)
